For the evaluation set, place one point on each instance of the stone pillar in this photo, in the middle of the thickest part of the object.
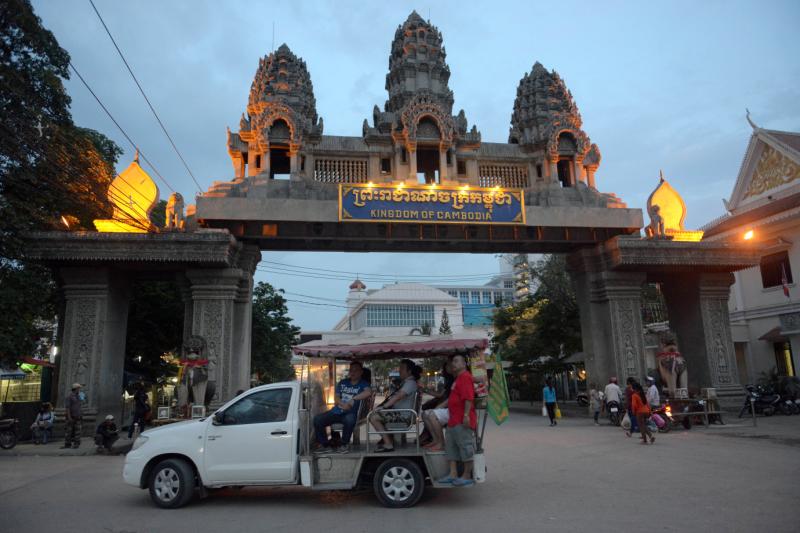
(611, 323)
(590, 170)
(93, 345)
(442, 164)
(238, 165)
(310, 164)
(243, 316)
(213, 300)
(398, 163)
(553, 169)
(265, 166)
(294, 164)
(578, 171)
(412, 164)
(697, 305)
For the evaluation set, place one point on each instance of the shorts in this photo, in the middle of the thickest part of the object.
(442, 415)
(394, 417)
(459, 444)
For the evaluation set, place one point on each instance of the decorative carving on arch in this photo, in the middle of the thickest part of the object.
(264, 121)
(424, 106)
(581, 141)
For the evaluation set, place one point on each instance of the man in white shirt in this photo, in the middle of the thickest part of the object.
(653, 400)
(612, 392)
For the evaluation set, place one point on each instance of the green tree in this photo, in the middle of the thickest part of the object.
(444, 324)
(546, 323)
(155, 328)
(49, 169)
(273, 335)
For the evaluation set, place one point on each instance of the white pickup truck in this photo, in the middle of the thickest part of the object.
(261, 438)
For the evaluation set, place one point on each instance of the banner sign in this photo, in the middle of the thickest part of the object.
(440, 205)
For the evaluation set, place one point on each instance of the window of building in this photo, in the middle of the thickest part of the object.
(784, 360)
(454, 294)
(461, 167)
(389, 315)
(449, 157)
(386, 165)
(302, 163)
(774, 268)
(258, 161)
(508, 284)
(475, 297)
(404, 155)
(464, 297)
(487, 297)
(538, 171)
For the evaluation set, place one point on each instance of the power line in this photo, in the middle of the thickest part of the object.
(146, 99)
(346, 277)
(318, 304)
(133, 144)
(382, 275)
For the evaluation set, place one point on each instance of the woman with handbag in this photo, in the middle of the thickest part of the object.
(549, 398)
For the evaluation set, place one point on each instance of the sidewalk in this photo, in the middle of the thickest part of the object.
(568, 409)
(53, 449)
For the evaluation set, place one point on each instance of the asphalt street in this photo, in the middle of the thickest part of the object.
(574, 477)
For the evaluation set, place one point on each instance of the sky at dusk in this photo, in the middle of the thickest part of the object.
(659, 86)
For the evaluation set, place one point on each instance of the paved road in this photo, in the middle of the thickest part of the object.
(575, 477)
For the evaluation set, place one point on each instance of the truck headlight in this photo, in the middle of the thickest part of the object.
(140, 440)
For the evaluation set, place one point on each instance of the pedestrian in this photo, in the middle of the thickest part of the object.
(630, 382)
(653, 399)
(461, 424)
(106, 435)
(549, 398)
(42, 426)
(642, 412)
(74, 418)
(595, 401)
(140, 409)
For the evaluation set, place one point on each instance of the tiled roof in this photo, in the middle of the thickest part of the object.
(500, 150)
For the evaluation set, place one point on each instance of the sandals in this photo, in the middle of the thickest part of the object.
(383, 449)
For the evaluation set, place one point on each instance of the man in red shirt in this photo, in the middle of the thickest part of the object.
(460, 441)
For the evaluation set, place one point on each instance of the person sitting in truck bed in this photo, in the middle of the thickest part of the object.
(403, 398)
(348, 395)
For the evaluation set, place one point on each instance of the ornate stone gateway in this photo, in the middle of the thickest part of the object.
(418, 178)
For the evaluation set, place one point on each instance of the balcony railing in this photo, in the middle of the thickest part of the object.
(340, 170)
(506, 176)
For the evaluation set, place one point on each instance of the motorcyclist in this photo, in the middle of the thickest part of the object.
(612, 392)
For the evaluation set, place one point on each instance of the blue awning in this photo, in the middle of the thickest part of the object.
(16, 373)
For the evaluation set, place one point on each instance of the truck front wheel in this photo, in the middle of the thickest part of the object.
(398, 483)
(172, 483)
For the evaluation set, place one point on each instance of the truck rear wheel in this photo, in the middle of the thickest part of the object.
(172, 483)
(398, 483)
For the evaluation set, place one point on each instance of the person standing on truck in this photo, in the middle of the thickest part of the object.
(402, 398)
(461, 425)
(347, 399)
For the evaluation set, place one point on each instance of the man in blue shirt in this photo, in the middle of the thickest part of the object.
(347, 399)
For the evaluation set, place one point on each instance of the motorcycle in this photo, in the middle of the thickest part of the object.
(8, 433)
(762, 404)
(583, 399)
(665, 412)
(614, 413)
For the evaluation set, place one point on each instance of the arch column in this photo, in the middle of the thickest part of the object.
(95, 324)
(698, 314)
(553, 166)
(611, 323)
(213, 293)
(442, 163)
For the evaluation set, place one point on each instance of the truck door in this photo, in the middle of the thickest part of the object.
(253, 440)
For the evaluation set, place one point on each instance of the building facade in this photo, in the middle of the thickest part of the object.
(764, 209)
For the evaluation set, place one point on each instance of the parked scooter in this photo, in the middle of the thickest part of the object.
(670, 421)
(614, 413)
(763, 404)
(8, 433)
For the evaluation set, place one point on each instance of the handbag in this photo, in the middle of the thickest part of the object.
(558, 412)
(544, 410)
